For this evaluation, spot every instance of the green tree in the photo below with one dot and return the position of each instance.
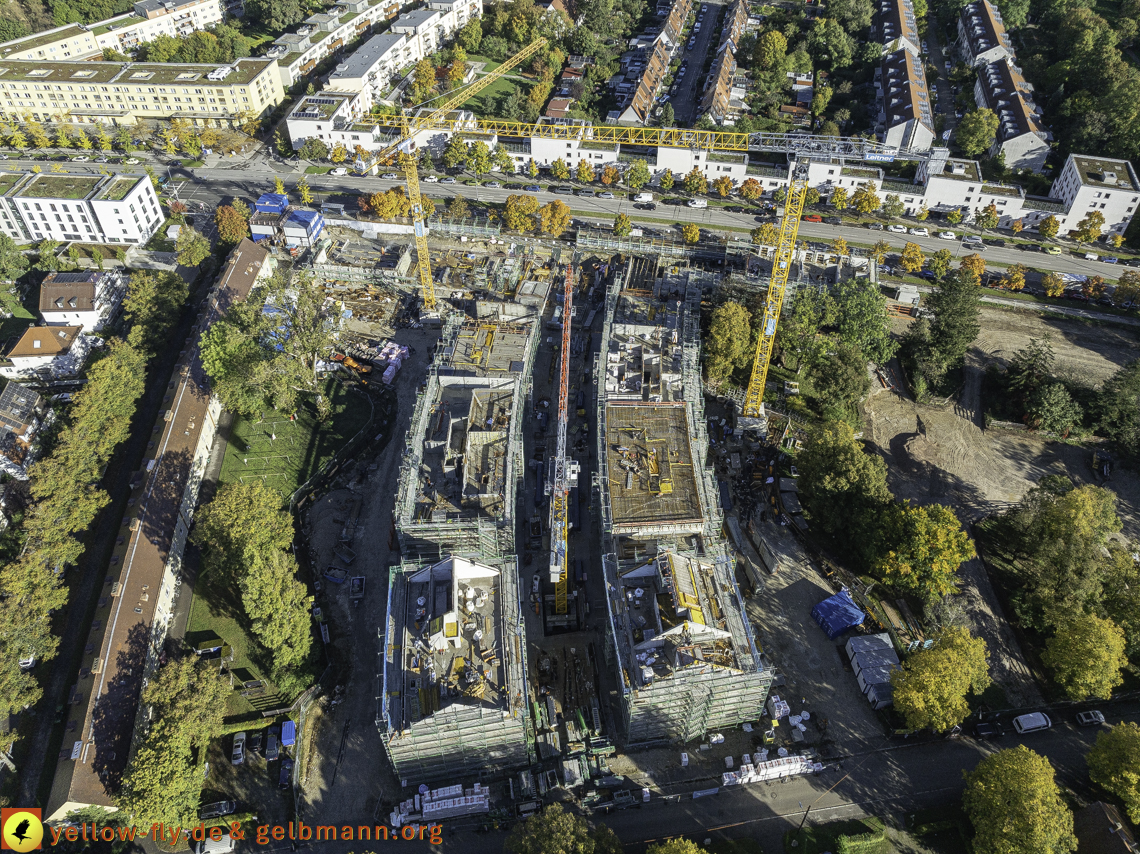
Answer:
(987, 217)
(893, 206)
(865, 200)
(1015, 806)
(939, 263)
(912, 258)
(696, 182)
(771, 48)
(811, 196)
(559, 169)
(863, 320)
(532, 168)
(243, 521)
(880, 251)
(240, 368)
(192, 247)
(954, 217)
(839, 199)
(423, 81)
(931, 688)
(478, 159)
(1049, 227)
(1053, 409)
(928, 546)
(622, 225)
(941, 346)
(728, 343)
(840, 380)
(502, 159)
(853, 14)
(765, 234)
(668, 116)
(455, 153)
(153, 305)
(675, 846)
(556, 831)
(638, 175)
(457, 208)
(278, 607)
(1118, 407)
(976, 131)
(1089, 228)
(304, 192)
(471, 36)
(314, 149)
(13, 263)
(1114, 764)
(798, 336)
(232, 225)
(667, 180)
(554, 218)
(584, 172)
(1086, 656)
(1030, 368)
(16, 137)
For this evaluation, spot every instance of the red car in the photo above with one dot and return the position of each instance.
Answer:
(813, 218)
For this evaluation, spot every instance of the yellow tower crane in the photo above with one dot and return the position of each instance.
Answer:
(403, 145)
(781, 267)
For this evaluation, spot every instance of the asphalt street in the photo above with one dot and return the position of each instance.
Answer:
(687, 98)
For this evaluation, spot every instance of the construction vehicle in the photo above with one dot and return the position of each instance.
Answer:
(404, 146)
(563, 471)
(781, 268)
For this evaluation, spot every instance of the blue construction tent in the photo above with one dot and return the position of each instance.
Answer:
(288, 733)
(837, 614)
(274, 203)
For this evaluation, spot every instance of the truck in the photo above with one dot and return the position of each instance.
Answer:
(643, 197)
(356, 589)
(344, 553)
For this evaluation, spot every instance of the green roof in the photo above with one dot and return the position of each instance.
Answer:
(118, 190)
(8, 181)
(61, 186)
(32, 70)
(49, 37)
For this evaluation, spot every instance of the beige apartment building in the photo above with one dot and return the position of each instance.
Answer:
(121, 93)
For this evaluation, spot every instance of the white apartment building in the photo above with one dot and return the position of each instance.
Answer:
(895, 26)
(1021, 135)
(905, 117)
(1097, 183)
(124, 33)
(982, 37)
(87, 298)
(79, 208)
(425, 29)
(373, 67)
(121, 93)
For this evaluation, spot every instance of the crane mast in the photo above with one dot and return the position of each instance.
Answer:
(781, 267)
(563, 470)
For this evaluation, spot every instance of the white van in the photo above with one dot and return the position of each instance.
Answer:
(698, 203)
(643, 197)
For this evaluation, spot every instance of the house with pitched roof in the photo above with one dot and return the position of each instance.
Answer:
(88, 298)
(1021, 134)
(982, 37)
(905, 116)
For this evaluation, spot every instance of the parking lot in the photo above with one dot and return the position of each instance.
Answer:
(254, 784)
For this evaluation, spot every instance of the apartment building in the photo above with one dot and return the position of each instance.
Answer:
(1103, 184)
(148, 20)
(1021, 135)
(896, 26)
(645, 68)
(87, 298)
(905, 116)
(717, 98)
(47, 353)
(88, 208)
(374, 67)
(981, 34)
(735, 24)
(121, 93)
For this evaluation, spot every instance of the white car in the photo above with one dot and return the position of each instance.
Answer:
(947, 235)
(390, 176)
(429, 179)
(1033, 722)
(340, 170)
(494, 184)
(132, 161)
(82, 158)
(920, 232)
(897, 229)
(238, 755)
(605, 195)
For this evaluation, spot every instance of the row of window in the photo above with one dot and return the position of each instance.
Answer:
(162, 90)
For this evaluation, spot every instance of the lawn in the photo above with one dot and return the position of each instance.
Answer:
(318, 170)
(488, 63)
(160, 242)
(118, 190)
(481, 103)
(14, 326)
(284, 453)
(819, 839)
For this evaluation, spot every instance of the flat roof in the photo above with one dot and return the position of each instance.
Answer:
(491, 348)
(1093, 169)
(39, 39)
(367, 55)
(149, 73)
(650, 459)
(47, 186)
(118, 189)
(416, 18)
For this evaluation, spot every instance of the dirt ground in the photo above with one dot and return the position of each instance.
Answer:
(943, 454)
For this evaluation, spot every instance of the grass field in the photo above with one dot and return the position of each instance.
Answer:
(21, 319)
(285, 453)
(483, 102)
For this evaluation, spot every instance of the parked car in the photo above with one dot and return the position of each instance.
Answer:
(989, 729)
(920, 232)
(447, 180)
(997, 241)
(429, 179)
(897, 229)
(342, 170)
(606, 195)
(132, 161)
(237, 755)
(273, 744)
(833, 220)
(1090, 719)
(563, 191)
(255, 741)
(1032, 722)
(494, 184)
(82, 158)
(947, 235)
(217, 809)
(813, 218)
(390, 176)
(875, 226)
(1052, 250)
(647, 206)
(533, 188)
(1110, 260)
(285, 778)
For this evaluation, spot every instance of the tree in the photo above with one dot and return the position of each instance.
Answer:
(923, 214)
(976, 131)
(954, 217)
(152, 306)
(798, 337)
(455, 153)
(16, 137)
(853, 14)
(1017, 226)
(304, 192)
(667, 180)
(723, 186)
(728, 342)
(278, 185)
(554, 218)
(556, 830)
(811, 196)
(1114, 764)
(939, 346)
(519, 212)
(691, 232)
(973, 266)
(865, 200)
(1053, 284)
(244, 520)
(821, 99)
(912, 258)
(939, 263)
(232, 225)
(771, 48)
(1093, 287)
(988, 217)
(1014, 278)
(839, 246)
(1049, 227)
(478, 159)
(839, 380)
(696, 182)
(471, 36)
(314, 149)
(1053, 409)
(40, 138)
(423, 81)
(765, 234)
(863, 320)
(880, 251)
(1127, 288)
(839, 198)
(668, 116)
(457, 208)
(893, 206)
(83, 141)
(13, 264)
(1030, 368)
(1015, 806)
(751, 189)
(931, 688)
(584, 172)
(559, 169)
(675, 846)
(611, 175)
(278, 606)
(63, 137)
(500, 157)
(622, 225)
(638, 175)
(532, 168)
(928, 547)
(192, 247)
(1089, 228)
(1086, 656)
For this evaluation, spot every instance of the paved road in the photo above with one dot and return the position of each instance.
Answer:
(687, 100)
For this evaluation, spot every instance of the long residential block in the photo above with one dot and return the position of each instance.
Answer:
(89, 208)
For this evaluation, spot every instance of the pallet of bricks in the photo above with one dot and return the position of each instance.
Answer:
(447, 802)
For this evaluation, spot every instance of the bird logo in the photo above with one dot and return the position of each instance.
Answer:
(21, 830)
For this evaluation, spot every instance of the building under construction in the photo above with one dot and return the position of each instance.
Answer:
(678, 633)
(454, 694)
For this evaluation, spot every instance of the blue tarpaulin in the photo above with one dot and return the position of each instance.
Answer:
(837, 614)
